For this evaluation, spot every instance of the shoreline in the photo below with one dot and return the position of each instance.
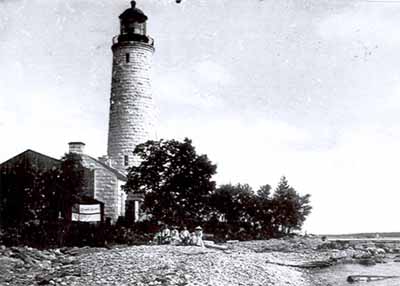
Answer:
(274, 262)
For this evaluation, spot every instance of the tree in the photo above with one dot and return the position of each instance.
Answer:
(71, 182)
(236, 207)
(28, 194)
(33, 197)
(29, 202)
(264, 211)
(176, 181)
(289, 208)
(234, 202)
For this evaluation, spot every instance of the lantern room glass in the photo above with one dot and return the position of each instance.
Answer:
(133, 28)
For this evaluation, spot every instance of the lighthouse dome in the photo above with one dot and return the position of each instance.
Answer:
(133, 14)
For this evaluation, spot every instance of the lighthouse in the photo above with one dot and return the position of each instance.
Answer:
(131, 103)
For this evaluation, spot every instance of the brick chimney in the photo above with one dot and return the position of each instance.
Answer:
(76, 147)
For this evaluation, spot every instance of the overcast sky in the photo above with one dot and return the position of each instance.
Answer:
(308, 89)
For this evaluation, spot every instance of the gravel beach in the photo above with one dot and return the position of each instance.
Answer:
(271, 262)
(241, 264)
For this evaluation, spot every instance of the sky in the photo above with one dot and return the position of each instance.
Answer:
(308, 89)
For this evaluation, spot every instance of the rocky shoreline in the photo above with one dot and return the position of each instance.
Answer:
(270, 262)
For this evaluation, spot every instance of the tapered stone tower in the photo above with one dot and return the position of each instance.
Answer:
(131, 103)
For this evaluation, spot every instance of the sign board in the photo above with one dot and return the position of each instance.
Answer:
(86, 213)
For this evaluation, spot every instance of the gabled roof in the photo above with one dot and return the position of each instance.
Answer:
(87, 160)
(42, 161)
(29, 156)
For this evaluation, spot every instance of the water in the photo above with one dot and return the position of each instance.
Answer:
(337, 275)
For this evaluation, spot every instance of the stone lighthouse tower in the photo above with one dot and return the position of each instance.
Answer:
(131, 104)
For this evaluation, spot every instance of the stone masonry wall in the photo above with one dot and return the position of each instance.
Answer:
(106, 190)
(131, 104)
(105, 186)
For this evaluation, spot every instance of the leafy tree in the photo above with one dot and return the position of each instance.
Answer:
(289, 208)
(264, 192)
(71, 183)
(28, 205)
(40, 196)
(227, 201)
(32, 198)
(237, 206)
(176, 181)
(28, 194)
(264, 215)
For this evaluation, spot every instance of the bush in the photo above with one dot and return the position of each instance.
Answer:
(38, 236)
(77, 234)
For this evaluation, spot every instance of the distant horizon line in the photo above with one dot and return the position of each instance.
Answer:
(363, 234)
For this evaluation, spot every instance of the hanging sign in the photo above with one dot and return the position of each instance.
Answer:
(86, 213)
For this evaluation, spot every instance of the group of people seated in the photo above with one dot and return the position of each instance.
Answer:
(176, 237)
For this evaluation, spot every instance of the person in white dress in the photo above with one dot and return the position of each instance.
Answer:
(175, 239)
(185, 236)
(197, 237)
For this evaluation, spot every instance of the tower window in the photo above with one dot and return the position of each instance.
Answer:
(126, 160)
(127, 57)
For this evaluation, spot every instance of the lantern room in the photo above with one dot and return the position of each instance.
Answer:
(133, 25)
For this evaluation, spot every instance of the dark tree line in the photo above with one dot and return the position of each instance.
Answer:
(179, 190)
(35, 203)
(261, 214)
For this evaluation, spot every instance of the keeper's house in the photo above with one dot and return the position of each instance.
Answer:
(103, 183)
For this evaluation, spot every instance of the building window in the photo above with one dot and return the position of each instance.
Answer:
(127, 57)
(126, 160)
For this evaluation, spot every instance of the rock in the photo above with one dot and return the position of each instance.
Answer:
(43, 280)
(368, 278)
(45, 264)
(380, 260)
(367, 261)
(359, 247)
(232, 241)
(362, 255)
(329, 245)
(66, 260)
(348, 260)
(24, 257)
(395, 250)
(9, 263)
(340, 254)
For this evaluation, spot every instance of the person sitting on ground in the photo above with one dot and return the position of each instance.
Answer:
(185, 236)
(197, 237)
(157, 238)
(165, 235)
(175, 239)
